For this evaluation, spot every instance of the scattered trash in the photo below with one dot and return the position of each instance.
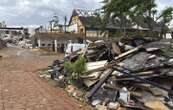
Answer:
(96, 102)
(113, 105)
(118, 75)
(70, 89)
(45, 74)
(101, 107)
(124, 95)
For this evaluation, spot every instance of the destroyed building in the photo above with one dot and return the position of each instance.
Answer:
(89, 22)
(87, 25)
(56, 42)
(132, 74)
(13, 34)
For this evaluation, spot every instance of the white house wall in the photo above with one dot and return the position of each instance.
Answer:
(53, 43)
(73, 28)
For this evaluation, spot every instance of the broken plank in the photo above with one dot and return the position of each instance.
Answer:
(156, 105)
(99, 84)
(100, 68)
(130, 74)
(156, 91)
(89, 82)
(95, 65)
(132, 78)
(128, 52)
(110, 65)
(116, 49)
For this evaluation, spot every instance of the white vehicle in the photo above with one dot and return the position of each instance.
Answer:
(72, 47)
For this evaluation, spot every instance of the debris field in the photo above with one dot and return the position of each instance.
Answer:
(132, 74)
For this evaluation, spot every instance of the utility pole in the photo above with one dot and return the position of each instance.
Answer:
(65, 24)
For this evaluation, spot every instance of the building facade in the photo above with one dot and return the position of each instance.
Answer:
(56, 42)
(85, 22)
(12, 32)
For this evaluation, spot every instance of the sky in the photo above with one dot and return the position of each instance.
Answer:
(39, 12)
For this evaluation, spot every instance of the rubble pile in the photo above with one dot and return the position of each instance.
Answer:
(25, 43)
(12, 39)
(17, 41)
(134, 74)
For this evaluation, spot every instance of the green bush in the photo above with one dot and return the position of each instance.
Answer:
(77, 68)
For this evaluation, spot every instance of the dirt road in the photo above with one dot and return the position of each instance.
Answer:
(22, 89)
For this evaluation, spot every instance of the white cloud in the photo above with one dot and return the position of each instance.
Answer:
(37, 12)
(29, 12)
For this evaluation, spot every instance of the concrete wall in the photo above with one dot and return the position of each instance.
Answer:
(54, 44)
(12, 32)
(45, 43)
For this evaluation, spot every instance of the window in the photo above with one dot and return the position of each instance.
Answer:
(81, 30)
(7, 32)
(49, 45)
(43, 45)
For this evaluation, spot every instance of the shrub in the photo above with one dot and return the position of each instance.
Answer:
(77, 68)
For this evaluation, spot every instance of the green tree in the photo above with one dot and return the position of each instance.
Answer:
(165, 18)
(118, 11)
(124, 11)
(54, 22)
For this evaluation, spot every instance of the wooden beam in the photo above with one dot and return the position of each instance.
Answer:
(99, 84)
(128, 52)
(110, 65)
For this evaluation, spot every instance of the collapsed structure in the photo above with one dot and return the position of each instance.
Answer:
(133, 74)
(15, 36)
(88, 24)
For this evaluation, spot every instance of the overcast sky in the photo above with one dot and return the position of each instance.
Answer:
(38, 12)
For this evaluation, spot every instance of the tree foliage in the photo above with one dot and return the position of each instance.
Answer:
(124, 10)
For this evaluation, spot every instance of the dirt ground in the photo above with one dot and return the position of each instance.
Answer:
(22, 89)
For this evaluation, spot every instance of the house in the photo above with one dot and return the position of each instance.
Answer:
(86, 22)
(57, 40)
